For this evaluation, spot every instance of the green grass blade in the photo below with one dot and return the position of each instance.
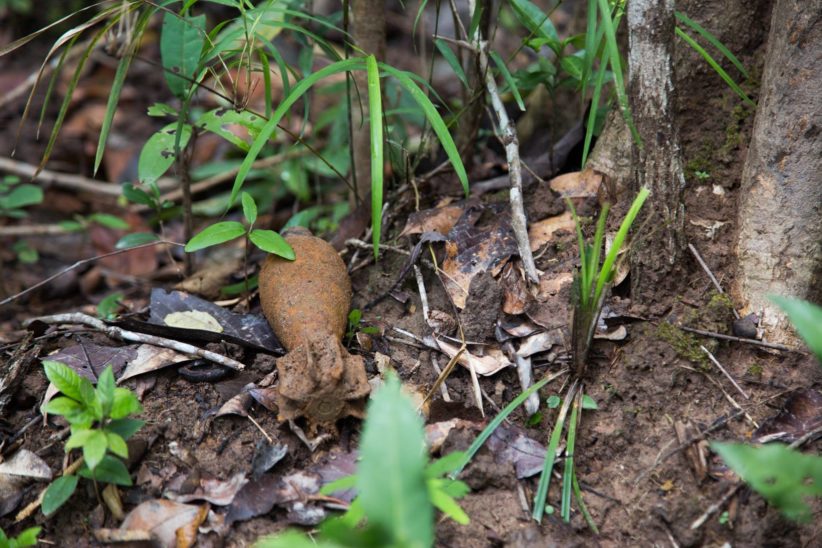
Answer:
(590, 47)
(612, 51)
(55, 76)
(270, 126)
(417, 17)
(598, 236)
(436, 121)
(568, 470)
(452, 61)
(61, 115)
(592, 114)
(583, 508)
(605, 273)
(551, 456)
(377, 165)
(713, 41)
(8, 48)
(117, 86)
(266, 68)
(509, 79)
(488, 430)
(585, 284)
(714, 65)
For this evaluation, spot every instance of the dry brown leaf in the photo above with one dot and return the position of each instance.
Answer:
(579, 184)
(515, 291)
(441, 219)
(542, 232)
(162, 519)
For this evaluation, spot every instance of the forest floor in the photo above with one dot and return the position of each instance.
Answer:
(642, 485)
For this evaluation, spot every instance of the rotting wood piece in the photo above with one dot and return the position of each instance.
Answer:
(306, 301)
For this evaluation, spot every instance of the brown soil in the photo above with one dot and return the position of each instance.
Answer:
(638, 492)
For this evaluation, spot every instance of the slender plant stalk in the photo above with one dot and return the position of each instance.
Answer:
(551, 455)
(488, 430)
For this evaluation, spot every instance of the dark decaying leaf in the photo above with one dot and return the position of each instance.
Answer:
(89, 359)
(248, 330)
(511, 444)
(508, 444)
(471, 250)
(514, 289)
(802, 413)
(258, 497)
(266, 456)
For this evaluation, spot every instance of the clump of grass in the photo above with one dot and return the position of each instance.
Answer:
(592, 280)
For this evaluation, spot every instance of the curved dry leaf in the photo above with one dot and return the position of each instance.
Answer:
(441, 219)
(25, 464)
(150, 358)
(238, 405)
(578, 184)
(540, 342)
(542, 232)
(163, 518)
(216, 491)
(493, 361)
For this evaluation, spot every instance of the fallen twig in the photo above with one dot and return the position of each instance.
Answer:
(508, 136)
(109, 191)
(739, 339)
(710, 274)
(78, 264)
(724, 372)
(122, 334)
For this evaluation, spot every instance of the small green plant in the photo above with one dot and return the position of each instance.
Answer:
(26, 538)
(225, 231)
(783, 476)
(354, 327)
(591, 280)
(15, 196)
(397, 487)
(108, 307)
(100, 426)
(724, 518)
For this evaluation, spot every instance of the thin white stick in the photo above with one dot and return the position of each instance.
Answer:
(118, 333)
(724, 372)
(710, 274)
(443, 389)
(423, 294)
(508, 135)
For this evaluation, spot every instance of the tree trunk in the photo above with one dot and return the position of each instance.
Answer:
(657, 162)
(779, 243)
(368, 31)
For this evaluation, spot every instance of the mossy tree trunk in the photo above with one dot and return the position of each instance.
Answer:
(657, 161)
(779, 243)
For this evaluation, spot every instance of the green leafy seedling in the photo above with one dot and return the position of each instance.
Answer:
(26, 538)
(225, 231)
(100, 425)
(108, 307)
(15, 196)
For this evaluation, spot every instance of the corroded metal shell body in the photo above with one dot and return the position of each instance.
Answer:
(307, 297)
